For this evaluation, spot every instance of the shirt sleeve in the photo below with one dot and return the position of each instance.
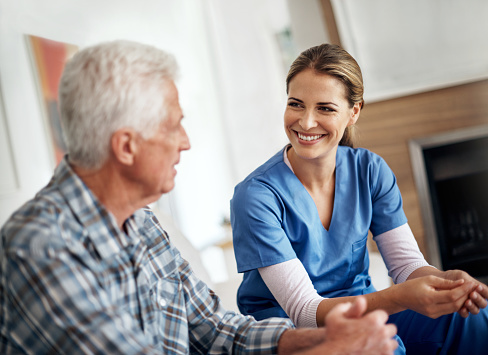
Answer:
(214, 330)
(291, 286)
(400, 252)
(257, 227)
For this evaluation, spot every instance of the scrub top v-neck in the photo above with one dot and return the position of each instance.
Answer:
(274, 219)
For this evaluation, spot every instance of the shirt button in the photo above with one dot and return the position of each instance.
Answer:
(162, 302)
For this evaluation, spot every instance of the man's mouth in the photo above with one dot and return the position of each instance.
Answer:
(310, 137)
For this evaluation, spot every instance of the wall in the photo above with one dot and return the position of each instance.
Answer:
(250, 69)
(386, 127)
(406, 47)
(308, 27)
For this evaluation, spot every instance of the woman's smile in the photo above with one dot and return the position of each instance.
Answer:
(309, 138)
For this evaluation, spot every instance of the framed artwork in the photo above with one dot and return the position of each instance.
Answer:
(48, 59)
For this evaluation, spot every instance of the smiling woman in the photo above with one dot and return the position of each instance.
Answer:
(301, 222)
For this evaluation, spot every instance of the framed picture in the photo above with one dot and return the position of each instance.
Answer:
(48, 59)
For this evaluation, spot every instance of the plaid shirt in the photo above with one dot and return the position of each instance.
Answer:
(73, 282)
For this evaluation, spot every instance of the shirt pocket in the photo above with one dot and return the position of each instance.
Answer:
(165, 292)
(168, 301)
(357, 266)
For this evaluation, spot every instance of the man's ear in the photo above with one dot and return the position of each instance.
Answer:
(356, 110)
(124, 145)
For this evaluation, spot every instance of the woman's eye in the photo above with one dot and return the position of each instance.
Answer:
(293, 104)
(325, 109)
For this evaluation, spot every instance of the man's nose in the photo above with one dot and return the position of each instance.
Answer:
(185, 143)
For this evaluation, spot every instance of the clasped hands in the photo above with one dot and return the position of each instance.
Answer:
(443, 292)
(349, 329)
(360, 332)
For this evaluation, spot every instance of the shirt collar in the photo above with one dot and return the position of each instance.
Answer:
(99, 224)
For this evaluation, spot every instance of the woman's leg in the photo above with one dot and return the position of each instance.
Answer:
(450, 334)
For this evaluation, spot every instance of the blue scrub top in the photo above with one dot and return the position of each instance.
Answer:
(274, 219)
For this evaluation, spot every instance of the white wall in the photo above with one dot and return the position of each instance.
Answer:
(307, 23)
(251, 78)
(406, 47)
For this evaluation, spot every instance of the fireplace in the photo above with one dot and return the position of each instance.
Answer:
(451, 174)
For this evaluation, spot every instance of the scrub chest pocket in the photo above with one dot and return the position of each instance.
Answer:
(358, 260)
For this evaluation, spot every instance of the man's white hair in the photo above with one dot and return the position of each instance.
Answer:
(107, 87)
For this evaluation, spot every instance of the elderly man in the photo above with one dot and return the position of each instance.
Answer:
(87, 268)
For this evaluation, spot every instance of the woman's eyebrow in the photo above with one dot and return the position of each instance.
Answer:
(318, 103)
(327, 103)
(293, 98)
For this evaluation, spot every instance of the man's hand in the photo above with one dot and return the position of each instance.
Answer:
(347, 331)
(353, 332)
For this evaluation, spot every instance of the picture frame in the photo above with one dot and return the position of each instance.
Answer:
(48, 58)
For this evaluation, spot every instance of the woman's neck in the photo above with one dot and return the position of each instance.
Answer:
(314, 174)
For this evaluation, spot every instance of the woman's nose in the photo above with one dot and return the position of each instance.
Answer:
(307, 121)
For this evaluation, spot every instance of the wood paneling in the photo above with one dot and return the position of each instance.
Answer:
(386, 127)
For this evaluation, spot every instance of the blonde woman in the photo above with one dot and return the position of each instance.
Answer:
(301, 220)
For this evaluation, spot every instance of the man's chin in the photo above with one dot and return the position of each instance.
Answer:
(167, 189)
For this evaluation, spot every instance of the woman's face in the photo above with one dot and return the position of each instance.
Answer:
(317, 113)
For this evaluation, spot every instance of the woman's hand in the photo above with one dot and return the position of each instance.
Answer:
(434, 296)
(477, 298)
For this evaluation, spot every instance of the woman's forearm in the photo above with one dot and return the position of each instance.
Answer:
(387, 300)
(292, 288)
(425, 271)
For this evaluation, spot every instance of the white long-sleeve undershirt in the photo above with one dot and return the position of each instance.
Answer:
(292, 288)
(400, 252)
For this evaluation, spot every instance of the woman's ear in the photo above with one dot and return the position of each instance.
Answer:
(124, 145)
(356, 110)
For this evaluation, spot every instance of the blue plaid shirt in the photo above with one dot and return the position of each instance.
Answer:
(72, 282)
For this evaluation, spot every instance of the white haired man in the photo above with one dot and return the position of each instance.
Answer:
(87, 268)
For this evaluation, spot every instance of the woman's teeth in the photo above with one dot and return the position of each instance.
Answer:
(309, 138)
